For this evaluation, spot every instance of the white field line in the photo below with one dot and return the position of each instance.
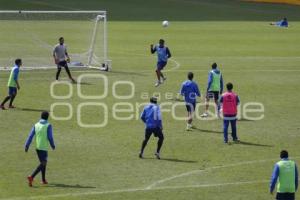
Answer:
(135, 190)
(152, 186)
(177, 65)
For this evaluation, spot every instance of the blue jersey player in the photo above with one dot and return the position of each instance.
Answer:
(151, 116)
(190, 91)
(282, 23)
(163, 54)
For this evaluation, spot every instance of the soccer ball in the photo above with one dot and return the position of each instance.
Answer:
(165, 23)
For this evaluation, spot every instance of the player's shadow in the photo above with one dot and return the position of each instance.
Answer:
(174, 160)
(130, 73)
(253, 144)
(83, 83)
(61, 185)
(31, 109)
(207, 131)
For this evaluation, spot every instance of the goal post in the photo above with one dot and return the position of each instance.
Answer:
(32, 35)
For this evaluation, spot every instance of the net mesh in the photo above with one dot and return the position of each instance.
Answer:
(32, 37)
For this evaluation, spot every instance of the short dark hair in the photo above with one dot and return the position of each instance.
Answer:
(45, 115)
(153, 100)
(161, 41)
(61, 38)
(284, 154)
(214, 66)
(18, 61)
(190, 75)
(229, 86)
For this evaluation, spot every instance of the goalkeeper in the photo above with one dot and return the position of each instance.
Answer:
(61, 58)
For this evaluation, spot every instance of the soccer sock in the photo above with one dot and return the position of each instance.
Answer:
(143, 146)
(159, 145)
(57, 73)
(68, 72)
(44, 172)
(12, 100)
(36, 171)
(5, 100)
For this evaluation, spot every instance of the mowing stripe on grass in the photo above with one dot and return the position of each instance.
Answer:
(153, 188)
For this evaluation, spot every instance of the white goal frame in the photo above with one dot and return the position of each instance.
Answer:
(101, 14)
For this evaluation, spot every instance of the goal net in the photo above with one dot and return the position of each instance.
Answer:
(32, 35)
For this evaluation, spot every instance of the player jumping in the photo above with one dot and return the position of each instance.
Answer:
(61, 58)
(13, 85)
(163, 54)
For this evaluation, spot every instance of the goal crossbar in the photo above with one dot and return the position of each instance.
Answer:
(91, 51)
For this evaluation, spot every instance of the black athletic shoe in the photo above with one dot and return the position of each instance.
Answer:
(141, 156)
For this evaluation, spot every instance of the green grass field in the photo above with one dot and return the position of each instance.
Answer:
(102, 163)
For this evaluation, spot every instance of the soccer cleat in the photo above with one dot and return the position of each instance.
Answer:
(2, 107)
(141, 155)
(189, 127)
(45, 182)
(73, 80)
(30, 180)
(12, 107)
(157, 155)
(157, 83)
(236, 141)
(204, 115)
(163, 79)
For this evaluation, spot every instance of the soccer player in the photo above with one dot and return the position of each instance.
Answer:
(61, 58)
(282, 23)
(151, 116)
(190, 91)
(13, 85)
(214, 88)
(287, 173)
(229, 102)
(163, 54)
(42, 131)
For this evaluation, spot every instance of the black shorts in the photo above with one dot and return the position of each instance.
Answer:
(285, 196)
(42, 155)
(213, 95)
(190, 107)
(157, 132)
(62, 64)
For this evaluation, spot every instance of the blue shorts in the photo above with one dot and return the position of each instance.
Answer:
(161, 65)
(42, 155)
(190, 107)
(12, 91)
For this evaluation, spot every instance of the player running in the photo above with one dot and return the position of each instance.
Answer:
(13, 85)
(61, 58)
(214, 88)
(229, 101)
(151, 116)
(43, 136)
(163, 54)
(190, 91)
